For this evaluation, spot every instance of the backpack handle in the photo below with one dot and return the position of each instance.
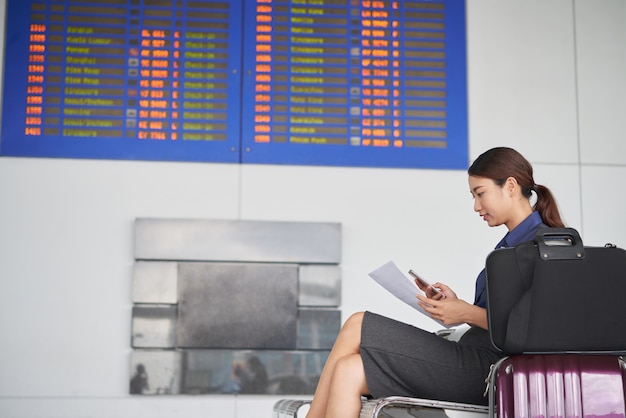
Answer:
(559, 244)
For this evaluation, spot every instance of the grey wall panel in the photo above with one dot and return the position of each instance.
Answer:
(320, 285)
(193, 372)
(155, 282)
(318, 328)
(252, 372)
(225, 240)
(237, 305)
(245, 307)
(155, 372)
(154, 326)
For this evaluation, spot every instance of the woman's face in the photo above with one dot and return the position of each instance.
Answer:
(492, 202)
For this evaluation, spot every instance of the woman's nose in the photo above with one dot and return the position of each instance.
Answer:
(476, 205)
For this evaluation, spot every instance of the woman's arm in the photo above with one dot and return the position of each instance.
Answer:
(453, 311)
(477, 316)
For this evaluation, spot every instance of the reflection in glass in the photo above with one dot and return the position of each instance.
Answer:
(154, 326)
(155, 372)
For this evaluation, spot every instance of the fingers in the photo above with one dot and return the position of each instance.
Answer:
(445, 291)
(420, 285)
(425, 302)
(430, 292)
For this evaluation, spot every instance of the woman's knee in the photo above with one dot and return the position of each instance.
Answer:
(350, 371)
(351, 331)
(350, 365)
(354, 322)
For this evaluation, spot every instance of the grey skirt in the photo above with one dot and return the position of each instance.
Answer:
(403, 360)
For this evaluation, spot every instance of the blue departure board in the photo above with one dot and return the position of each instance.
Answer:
(304, 82)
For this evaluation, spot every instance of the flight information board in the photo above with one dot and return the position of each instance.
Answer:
(316, 82)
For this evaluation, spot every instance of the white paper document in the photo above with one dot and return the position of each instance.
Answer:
(391, 278)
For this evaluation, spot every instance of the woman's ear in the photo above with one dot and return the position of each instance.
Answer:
(511, 185)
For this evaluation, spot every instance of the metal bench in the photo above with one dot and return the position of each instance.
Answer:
(392, 407)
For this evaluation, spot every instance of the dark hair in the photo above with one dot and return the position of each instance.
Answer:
(501, 163)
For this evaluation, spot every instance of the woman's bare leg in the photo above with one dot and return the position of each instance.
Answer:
(346, 388)
(347, 343)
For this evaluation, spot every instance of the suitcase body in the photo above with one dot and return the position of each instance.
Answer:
(558, 385)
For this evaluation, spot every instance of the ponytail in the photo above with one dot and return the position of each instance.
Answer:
(547, 207)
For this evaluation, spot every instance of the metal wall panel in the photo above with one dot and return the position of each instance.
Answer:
(154, 326)
(193, 372)
(252, 372)
(237, 305)
(249, 241)
(320, 285)
(233, 306)
(318, 328)
(155, 282)
(155, 372)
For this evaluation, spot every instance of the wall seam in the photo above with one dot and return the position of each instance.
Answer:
(577, 112)
(240, 187)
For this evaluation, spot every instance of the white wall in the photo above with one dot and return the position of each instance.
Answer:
(544, 77)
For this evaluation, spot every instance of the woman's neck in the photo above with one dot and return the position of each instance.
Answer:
(519, 216)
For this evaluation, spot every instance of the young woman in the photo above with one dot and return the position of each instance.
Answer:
(378, 356)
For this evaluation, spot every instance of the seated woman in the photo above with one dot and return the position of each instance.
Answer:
(379, 357)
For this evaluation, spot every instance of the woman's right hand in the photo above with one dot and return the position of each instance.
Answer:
(444, 291)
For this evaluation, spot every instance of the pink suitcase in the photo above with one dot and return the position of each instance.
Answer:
(558, 385)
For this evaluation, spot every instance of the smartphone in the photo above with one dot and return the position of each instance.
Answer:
(423, 281)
